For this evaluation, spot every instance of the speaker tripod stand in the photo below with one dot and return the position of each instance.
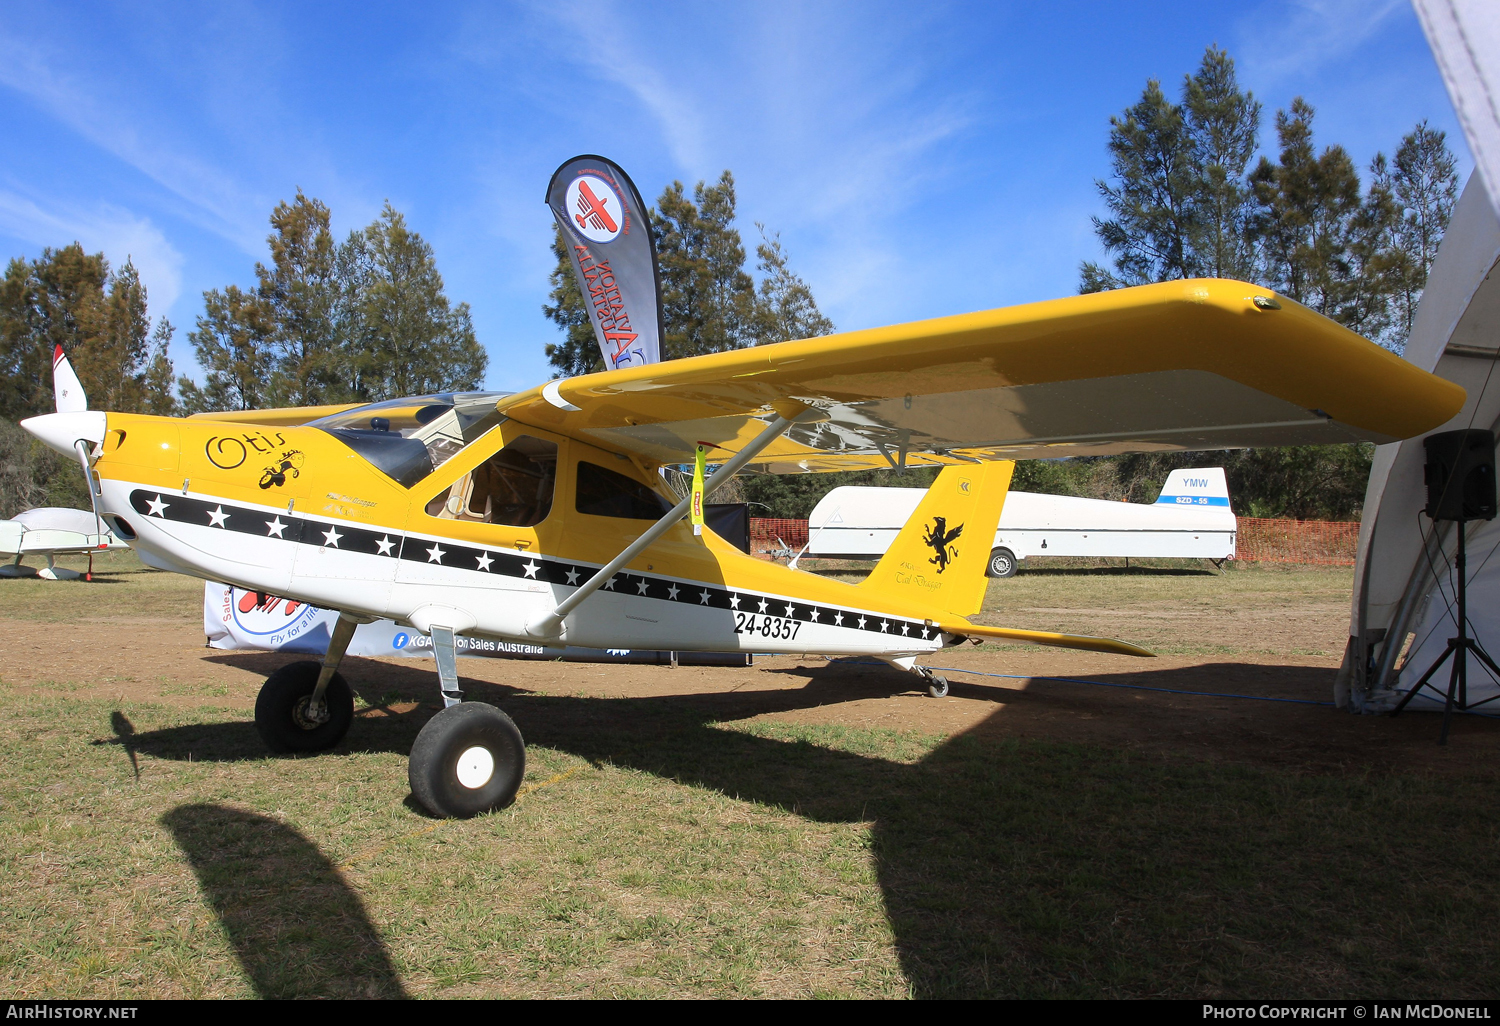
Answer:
(1458, 650)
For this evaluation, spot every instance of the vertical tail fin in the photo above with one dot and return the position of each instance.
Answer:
(1204, 486)
(939, 557)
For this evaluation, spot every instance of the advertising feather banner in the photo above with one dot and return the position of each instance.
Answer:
(608, 234)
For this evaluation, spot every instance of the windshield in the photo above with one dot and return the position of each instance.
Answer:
(410, 438)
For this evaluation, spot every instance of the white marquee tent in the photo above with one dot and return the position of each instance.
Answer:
(1403, 608)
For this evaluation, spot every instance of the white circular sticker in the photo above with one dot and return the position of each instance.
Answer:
(598, 215)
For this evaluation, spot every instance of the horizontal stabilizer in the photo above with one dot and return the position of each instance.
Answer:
(1078, 641)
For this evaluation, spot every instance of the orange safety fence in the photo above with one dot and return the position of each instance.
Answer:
(770, 535)
(1329, 543)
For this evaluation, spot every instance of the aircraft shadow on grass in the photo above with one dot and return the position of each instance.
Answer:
(975, 847)
(296, 927)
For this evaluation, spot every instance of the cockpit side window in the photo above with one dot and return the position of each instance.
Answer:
(604, 493)
(513, 488)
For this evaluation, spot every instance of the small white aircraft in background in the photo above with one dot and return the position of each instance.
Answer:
(53, 531)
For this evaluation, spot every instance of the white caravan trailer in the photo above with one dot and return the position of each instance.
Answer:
(1190, 520)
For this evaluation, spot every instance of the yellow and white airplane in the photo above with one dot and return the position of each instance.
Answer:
(542, 515)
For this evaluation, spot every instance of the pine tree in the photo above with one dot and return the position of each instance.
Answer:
(1302, 224)
(234, 342)
(159, 399)
(1152, 204)
(120, 348)
(1322, 242)
(578, 353)
(1424, 186)
(1179, 203)
(1223, 126)
(362, 321)
(56, 299)
(403, 335)
(708, 301)
(71, 298)
(786, 309)
(300, 291)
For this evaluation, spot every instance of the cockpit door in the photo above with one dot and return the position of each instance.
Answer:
(494, 501)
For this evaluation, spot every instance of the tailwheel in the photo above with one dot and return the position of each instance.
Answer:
(468, 759)
(937, 686)
(287, 718)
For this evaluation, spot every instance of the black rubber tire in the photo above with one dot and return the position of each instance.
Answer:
(277, 706)
(433, 766)
(1002, 563)
(937, 687)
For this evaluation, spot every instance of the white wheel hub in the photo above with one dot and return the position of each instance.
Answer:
(475, 767)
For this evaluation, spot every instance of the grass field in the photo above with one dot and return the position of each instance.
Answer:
(693, 845)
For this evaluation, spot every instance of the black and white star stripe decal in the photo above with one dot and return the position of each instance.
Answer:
(347, 537)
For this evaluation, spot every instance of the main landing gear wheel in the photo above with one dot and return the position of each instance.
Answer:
(1002, 563)
(468, 759)
(937, 686)
(283, 716)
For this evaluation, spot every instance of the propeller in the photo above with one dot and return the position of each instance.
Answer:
(71, 398)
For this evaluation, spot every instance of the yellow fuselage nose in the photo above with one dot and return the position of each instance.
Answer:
(269, 466)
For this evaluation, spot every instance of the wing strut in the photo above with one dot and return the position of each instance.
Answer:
(549, 625)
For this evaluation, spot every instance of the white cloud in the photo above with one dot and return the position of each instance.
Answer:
(1276, 44)
(215, 200)
(832, 121)
(118, 233)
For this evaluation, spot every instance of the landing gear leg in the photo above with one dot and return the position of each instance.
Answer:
(307, 706)
(447, 666)
(470, 757)
(343, 633)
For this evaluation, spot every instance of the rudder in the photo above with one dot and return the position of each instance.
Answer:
(939, 556)
(1199, 486)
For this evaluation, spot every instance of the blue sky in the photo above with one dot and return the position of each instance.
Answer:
(918, 159)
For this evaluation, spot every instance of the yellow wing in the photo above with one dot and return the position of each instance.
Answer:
(1184, 365)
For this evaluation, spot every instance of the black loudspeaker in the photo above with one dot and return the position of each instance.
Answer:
(1460, 475)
